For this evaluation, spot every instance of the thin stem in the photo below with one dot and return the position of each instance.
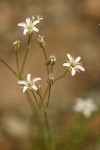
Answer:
(52, 69)
(46, 59)
(45, 92)
(30, 101)
(48, 96)
(25, 57)
(46, 119)
(17, 63)
(60, 77)
(36, 99)
(8, 67)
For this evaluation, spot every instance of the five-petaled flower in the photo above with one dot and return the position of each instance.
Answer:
(86, 107)
(31, 25)
(29, 83)
(73, 64)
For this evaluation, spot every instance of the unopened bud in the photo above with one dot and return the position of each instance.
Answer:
(51, 60)
(39, 91)
(41, 41)
(51, 79)
(16, 45)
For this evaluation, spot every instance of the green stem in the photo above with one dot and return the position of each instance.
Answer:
(36, 99)
(8, 67)
(52, 69)
(45, 92)
(49, 96)
(46, 120)
(30, 101)
(17, 63)
(25, 57)
(46, 59)
(60, 77)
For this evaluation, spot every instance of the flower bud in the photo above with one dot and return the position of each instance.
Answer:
(51, 60)
(39, 91)
(51, 79)
(16, 45)
(41, 41)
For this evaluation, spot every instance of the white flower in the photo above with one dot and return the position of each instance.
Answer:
(30, 26)
(86, 107)
(29, 83)
(73, 64)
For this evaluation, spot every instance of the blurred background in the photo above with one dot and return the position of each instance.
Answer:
(69, 26)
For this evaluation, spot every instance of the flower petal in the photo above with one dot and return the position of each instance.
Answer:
(87, 113)
(36, 79)
(73, 71)
(24, 89)
(35, 29)
(22, 82)
(25, 31)
(34, 87)
(66, 64)
(22, 24)
(77, 59)
(70, 57)
(35, 22)
(80, 67)
(29, 78)
(28, 20)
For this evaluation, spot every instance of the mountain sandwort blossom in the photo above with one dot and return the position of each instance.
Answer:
(86, 107)
(29, 83)
(73, 64)
(30, 26)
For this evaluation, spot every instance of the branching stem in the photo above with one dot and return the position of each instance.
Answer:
(27, 50)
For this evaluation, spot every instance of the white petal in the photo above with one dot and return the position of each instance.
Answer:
(66, 64)
(25, 31)
(77, 59)
(28, 20)
(22, 24)
(22, 82)
(80, 67)
(87, 113)
(34, 87)
(73, 71)
(70, 57)
(24, 89)
(35, 29)
(33, 17)
(36, 79)
(29, 78)
(35, 22)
